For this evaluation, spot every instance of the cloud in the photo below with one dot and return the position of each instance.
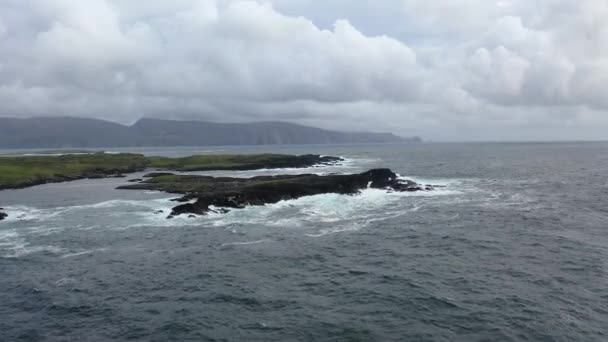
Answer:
(412, 67)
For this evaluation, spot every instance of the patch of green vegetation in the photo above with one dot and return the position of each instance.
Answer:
(25, 171)
(221, 162)
(19, 172)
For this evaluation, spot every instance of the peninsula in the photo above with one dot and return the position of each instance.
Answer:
(22, 172)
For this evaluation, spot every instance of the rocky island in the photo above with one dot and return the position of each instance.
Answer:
(21, 172)
(204, 193)
(201, 194)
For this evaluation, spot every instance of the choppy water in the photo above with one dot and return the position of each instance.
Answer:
(514, 248)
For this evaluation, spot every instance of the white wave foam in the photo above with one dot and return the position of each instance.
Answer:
(360, 223)
(118, 203)
(19, 250)
(9, 238)
(151, 212)
(355, 162)
(71, 255)
(432, 181)
(336, 230)
(346, 166)
(42, 230)
(25, 213)
(244, 243)
(327, 213)
(10, 243)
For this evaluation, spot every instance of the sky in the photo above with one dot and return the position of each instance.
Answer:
(458, 70)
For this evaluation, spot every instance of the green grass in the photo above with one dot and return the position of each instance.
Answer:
(216, 162)
(20, 172)
(17, 172)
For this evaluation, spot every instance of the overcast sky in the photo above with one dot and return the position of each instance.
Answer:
(444, 70)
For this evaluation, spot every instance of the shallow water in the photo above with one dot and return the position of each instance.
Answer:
(514, 248)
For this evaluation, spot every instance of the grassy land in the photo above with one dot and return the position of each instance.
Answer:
(20, 172)
(229, 162)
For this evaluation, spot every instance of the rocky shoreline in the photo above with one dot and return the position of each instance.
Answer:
(203, 194)
(63, 179)
(23, 172)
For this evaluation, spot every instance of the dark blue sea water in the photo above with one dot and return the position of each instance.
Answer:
(514, 248)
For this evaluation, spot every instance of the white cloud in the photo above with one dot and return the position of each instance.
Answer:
(450, 67)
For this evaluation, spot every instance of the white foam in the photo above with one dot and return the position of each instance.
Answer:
(431, 181)
(143, 212)
(244, 243)
(336, 230)
(346, 166)
(42, 230)
(71, 255)
(10, 239)
(327, 213)
(354, 162)
(19, 250)
(360, 223)
(25, 213)
(118, 203)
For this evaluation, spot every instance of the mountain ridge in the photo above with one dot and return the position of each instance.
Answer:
(73, 132)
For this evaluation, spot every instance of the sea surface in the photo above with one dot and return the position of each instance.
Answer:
(513, 248)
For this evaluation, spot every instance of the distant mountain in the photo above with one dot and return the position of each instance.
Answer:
(64, 132)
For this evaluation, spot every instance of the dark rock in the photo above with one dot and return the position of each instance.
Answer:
(184, 199)
(3, 216)
(236, 193)
(136, 180)
(191, 216)
(158, 174)
(160, 212)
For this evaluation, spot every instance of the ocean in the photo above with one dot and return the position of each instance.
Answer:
(514, 247)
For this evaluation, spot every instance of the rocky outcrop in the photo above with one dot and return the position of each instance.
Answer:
(202, 192)
(65, 168)
(2, 215)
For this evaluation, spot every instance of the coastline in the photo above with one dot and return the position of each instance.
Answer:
(18, 172)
